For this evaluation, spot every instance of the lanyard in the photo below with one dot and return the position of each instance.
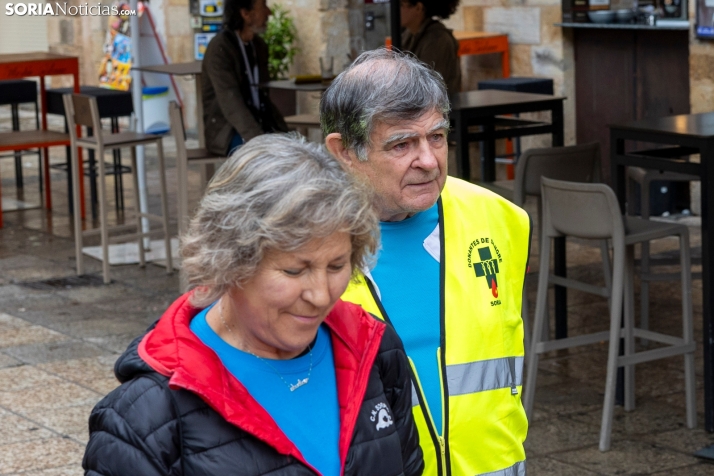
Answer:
(252, 75)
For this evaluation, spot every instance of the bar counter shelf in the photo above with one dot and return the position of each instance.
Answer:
(661, 25)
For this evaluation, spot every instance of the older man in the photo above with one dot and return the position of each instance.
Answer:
(449, 276)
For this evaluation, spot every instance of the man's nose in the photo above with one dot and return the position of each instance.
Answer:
(427, 157)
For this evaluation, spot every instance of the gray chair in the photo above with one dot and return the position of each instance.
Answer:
(184, 158)
(591, 211)
(82, 110)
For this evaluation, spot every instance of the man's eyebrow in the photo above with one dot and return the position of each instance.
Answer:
(443, 124)
(398, 137)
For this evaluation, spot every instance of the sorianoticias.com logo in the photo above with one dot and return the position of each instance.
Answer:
(56, 9)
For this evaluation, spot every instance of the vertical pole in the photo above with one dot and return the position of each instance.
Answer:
(463, 167)
(559, 254)
(140, 171)
(396, 23)
(617, 173)
(707, 200)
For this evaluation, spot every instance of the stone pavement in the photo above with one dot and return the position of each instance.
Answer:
(58, 343)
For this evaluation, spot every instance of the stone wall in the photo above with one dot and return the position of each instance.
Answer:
(172, 23)
(81, 36)
(701, 70)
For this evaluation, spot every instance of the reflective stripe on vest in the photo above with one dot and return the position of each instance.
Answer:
(476, 377)
(485, 375)
(518, 469)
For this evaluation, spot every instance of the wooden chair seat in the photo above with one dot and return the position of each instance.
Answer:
(119, 139)
(303, 120)
(23, 140)
(198, 155)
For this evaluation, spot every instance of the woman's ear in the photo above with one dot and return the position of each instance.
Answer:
(246, 15)
(337, 148)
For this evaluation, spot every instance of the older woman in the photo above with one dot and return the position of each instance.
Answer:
(261, 369)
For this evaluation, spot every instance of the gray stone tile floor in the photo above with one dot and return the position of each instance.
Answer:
(58, 347)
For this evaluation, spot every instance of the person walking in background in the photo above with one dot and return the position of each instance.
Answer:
(235, 107)
(430, 40)
(260, 369)
(450, 273)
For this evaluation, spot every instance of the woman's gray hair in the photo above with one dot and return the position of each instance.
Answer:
(277, 192)
(380, 86)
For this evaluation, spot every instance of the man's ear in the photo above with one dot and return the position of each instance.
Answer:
(334, 144)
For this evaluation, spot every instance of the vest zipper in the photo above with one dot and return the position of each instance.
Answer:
(444, 439)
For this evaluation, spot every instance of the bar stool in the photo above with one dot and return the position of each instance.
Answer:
(82, 110)
(14, 93)
(112, 104)
(591, 211)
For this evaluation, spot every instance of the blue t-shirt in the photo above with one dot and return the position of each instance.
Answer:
(408, 280)
(296, 412)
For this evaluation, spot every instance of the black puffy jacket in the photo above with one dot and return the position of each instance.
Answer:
(180, 412)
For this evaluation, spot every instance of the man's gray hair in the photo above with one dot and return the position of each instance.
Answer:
(277, 192)
(380, 86)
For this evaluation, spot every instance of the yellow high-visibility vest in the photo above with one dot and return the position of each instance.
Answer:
(484, 241)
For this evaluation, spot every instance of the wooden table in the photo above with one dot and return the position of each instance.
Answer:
(291, 85)
(192, 68)
(22, 65)
(689, 133)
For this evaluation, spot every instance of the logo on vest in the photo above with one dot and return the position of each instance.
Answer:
(487, 265)
(381, 415)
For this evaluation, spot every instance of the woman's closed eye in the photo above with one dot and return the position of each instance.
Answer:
(294, 271)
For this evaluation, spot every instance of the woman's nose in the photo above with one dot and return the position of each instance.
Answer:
(318, 293)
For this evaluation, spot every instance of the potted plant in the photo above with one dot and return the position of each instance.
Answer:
(280, 35)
